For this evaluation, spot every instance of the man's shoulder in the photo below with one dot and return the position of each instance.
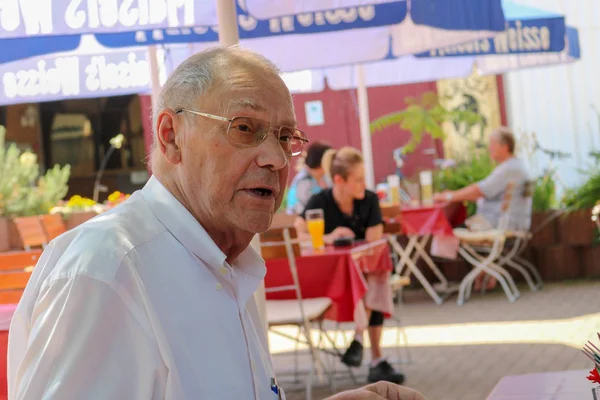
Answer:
(98, 247)
(323, 197)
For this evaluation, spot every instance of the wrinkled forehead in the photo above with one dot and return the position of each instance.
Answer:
(248, 93)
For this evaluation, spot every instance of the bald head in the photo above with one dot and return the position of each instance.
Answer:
(208, 71)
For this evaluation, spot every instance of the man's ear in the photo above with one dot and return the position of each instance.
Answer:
(168, 127)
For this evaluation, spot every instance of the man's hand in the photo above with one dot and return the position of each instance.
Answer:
(339, 232)
(379, 391)
(442, 197)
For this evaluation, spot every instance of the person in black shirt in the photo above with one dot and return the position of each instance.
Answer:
(352, 211)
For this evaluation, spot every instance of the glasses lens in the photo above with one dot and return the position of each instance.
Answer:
(291, 141)
(248, 131)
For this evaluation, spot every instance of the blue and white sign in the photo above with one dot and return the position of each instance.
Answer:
(529, 30)
(54, 78)
(20, 18)
(250, 27)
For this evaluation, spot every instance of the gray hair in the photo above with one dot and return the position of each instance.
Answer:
(506, 137)
(196, 75)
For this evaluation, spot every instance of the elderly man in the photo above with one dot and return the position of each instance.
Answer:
(491, 190)
(153, 300)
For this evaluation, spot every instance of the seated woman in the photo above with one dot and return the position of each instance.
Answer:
(352, 211)
(310, 180)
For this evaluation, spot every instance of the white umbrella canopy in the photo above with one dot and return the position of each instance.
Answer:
(310, 38)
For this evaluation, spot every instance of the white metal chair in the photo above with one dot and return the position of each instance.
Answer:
(517, 240)
(299, 312)
(493, 240)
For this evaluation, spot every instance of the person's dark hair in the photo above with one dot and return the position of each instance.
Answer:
(506, 137)
(314, 154)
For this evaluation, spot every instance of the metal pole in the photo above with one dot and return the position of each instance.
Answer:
(229, 34)
(154, 75)
(365, 131)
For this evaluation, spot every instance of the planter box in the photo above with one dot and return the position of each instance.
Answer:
(557, 263)
(545, 233)
(77, 218)
(577, 228)
(15, 239)
(591, 261)
(4, 234)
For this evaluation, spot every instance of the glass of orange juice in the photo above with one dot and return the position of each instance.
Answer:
(315, 223)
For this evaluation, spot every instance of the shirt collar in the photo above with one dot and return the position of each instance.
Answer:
(184, 227)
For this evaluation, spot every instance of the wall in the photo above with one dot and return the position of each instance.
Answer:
(557, 102)
(25, 135)
(341, 125)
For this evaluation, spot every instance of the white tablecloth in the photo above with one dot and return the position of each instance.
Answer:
(563, 385)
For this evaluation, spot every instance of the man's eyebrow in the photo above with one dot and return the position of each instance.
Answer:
(254, 106)
(245, 103)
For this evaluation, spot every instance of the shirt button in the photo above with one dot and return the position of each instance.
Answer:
(223, 271)
(219, 286)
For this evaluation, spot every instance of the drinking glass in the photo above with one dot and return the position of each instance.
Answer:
(315, 223)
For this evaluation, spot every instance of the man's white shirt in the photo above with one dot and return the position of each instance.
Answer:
(140, 303)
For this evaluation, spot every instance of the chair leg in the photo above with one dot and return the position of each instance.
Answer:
(523, 272)
(482, 266)
(508, 277)
(296, 346)
(533, 270)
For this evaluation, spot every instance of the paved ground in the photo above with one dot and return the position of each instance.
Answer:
(460, 353)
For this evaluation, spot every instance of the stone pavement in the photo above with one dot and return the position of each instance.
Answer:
(460, 353)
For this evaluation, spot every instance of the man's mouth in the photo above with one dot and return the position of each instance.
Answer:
(261, 191)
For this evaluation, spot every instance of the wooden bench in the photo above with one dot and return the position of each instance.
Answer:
(15, 270)
(16, 266)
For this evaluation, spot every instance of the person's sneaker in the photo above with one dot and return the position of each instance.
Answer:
(385, 372)
(354, 355)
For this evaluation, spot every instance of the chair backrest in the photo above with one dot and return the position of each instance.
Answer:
(15, 270)
(272, 243)
(505, 207)
(31, 232)
(529, 189)
(283, 220)
(273, 249)
(390, 211)
(53, 225)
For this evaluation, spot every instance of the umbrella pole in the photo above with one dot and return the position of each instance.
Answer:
(154, 75)
(365, 131)
(229, 34)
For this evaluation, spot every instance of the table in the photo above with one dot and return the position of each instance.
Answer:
(337, 273)
(563, 385)
(420, 224)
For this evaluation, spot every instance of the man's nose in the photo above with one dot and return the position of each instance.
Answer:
(271, 154)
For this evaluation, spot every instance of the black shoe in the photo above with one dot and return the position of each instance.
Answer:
(354, 355)
(385, 372)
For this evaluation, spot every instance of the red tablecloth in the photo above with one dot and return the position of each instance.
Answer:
(336, 273)
(436, 220)
(6, 312)
(3, 349)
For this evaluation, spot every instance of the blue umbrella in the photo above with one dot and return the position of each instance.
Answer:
(532, 36)
(438, 22)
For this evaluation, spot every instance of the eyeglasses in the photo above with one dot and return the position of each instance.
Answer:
(250, 132)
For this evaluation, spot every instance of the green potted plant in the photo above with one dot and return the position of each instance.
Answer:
(425, 116)
(23, 192)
